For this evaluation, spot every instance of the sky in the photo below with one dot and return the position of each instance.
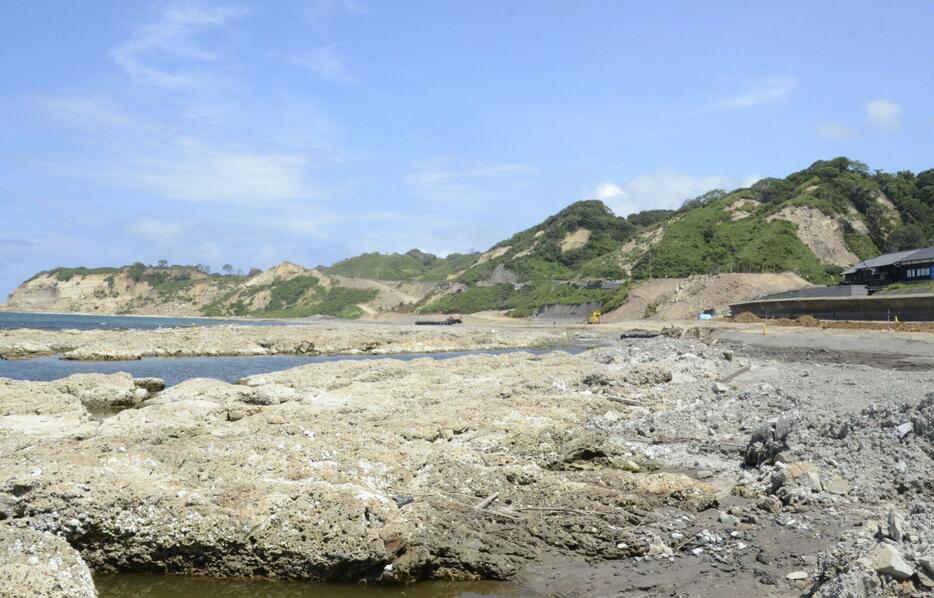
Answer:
(254, 132)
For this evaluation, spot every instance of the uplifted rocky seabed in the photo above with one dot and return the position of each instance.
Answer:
(660, 465)
(299, 339)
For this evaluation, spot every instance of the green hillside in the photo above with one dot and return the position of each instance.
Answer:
(414, 265)
(746, 230)
(296, 297)
(701, 238)
(536, 254)
(543, 265)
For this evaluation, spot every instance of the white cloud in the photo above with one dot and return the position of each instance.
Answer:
(326, 62)
(132, 152)
(158, 54)
(320, 11)
(770, 90)
(662, 190)
(835, 131)
(194, 170)
(884, 114)
(156, 230)
(441, 179)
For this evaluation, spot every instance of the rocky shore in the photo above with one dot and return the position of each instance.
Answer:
(655, 465)
(121, 345)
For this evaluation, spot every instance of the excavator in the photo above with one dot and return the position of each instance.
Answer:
(594, 317)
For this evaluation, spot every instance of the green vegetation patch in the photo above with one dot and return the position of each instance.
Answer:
(413, 265)
(336, 301)
(860, 244)
(297, 297)
(287, 293)
(526, 300)
(705, 241)
(908, 288)
(66, 274)
(535, 255)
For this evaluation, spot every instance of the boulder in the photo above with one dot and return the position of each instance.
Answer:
(151, 385)
(927, 563)
(768, 441)
(205, 389)
(648, 374)
(101, 391)
(837, 485)
(886, 560)
(896, 526)
(38, 564)
(168, 420)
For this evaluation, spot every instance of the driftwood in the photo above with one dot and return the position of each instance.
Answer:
(639, 517)
(734, 375)
(486, 502)
(622, 400)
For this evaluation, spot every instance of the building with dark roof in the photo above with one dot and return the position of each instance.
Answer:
(904, 266)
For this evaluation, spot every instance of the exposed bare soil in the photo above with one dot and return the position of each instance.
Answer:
(673, 299)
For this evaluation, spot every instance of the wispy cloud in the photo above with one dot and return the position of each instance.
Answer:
(444, 179)
(319, 11)
(662, 190)
(157, 230)
(769, 91)
(326, 62)
(132, 152)
(884, 114)
(161, 53)
(835, 131)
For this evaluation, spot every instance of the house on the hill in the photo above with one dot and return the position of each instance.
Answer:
(904, 266)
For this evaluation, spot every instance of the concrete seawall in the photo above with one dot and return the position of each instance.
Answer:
(908, 308)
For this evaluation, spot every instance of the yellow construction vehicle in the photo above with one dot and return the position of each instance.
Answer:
(594, 318)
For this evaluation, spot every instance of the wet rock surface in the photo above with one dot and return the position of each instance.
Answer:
(623, 470)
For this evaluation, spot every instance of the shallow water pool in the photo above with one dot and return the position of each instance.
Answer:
(230, 369)
(132, 585)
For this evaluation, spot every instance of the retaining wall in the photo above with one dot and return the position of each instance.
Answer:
(912, 308)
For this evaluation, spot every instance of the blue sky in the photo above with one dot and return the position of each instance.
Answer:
(255, 132)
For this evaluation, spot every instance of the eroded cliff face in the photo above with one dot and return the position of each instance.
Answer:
(112, 293)
(284, 290)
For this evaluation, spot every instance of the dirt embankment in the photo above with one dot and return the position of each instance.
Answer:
(655, 466)
(672, 299)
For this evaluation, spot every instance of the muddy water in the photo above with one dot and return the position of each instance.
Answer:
(171, 586)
